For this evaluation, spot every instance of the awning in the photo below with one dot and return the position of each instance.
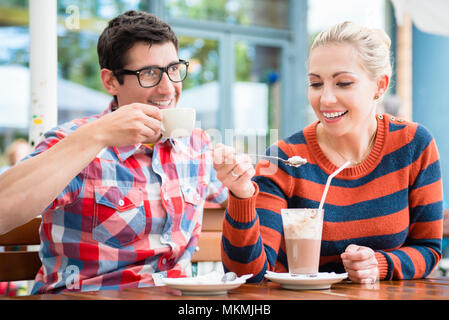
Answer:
(431, 16)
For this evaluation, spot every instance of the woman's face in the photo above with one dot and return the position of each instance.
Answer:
(341, 91)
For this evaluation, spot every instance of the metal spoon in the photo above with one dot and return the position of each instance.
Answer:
(312, 275)
(295, 161)
(228, 276)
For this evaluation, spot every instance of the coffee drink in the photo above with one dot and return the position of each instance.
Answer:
(302, 234)
(177, 122)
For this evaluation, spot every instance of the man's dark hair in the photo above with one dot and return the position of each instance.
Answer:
(124, 31)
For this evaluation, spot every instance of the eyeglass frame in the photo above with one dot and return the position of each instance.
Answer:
(162, 69)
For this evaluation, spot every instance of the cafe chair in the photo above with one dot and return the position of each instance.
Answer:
(16, 262)
(17, 265)
(209, 243)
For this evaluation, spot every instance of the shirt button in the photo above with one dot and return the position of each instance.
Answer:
(121, 202)
(164, 261)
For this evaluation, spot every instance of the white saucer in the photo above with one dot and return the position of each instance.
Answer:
(200, 287)
(322, 280)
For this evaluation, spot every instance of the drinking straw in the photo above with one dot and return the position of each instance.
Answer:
(329, 182)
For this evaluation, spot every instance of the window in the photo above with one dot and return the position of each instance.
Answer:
(200, 90)
(262, 13)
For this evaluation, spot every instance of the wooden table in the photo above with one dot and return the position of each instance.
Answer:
(424, 289)
(397, 299)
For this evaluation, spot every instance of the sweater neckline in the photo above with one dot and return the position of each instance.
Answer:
(370, 162)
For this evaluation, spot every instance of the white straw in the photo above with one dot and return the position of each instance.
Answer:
(329, 182)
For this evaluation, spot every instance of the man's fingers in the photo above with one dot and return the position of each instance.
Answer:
(153, 124)
(149, 110)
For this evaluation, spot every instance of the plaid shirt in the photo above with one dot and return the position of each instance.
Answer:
(131, 216)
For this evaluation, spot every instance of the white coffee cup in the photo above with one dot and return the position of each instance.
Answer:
(178, 122)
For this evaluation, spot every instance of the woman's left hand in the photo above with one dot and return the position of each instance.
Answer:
(360, 264)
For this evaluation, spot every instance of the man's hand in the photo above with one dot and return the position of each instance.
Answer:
(234, 171)
(128, 125)
(360, 264)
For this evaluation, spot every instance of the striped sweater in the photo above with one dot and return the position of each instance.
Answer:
(391, 202)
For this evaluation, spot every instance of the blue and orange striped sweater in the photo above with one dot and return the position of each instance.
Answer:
(391, 202)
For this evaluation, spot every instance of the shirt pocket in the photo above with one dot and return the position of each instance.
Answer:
(194, 195)
(119, 216)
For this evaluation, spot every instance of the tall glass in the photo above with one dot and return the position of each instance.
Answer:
(302, 233)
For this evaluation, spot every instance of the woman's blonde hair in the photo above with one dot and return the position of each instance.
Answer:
(372, 45)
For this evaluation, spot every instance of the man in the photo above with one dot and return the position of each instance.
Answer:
(17, 150)
(120, 205)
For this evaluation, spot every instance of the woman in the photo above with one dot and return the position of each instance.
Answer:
(383, 214)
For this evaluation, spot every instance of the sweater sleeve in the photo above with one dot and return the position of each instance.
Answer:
(422, 250)
(252, 228)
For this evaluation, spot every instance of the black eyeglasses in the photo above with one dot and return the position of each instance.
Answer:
(151, 76)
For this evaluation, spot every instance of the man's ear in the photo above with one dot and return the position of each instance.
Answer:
(110, 82)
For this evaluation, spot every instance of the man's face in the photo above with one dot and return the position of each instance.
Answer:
(167, 93)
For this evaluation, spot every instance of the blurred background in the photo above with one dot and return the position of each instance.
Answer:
(247, 62)
(247, 58)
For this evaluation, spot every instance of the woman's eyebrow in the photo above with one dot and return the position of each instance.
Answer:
(340, 72)
(333, 76)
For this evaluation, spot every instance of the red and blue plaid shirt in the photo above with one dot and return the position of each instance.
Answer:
(131, 216)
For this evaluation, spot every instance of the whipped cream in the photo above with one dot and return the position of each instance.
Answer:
(296, 161)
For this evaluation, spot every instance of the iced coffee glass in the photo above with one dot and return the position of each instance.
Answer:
(302, 234)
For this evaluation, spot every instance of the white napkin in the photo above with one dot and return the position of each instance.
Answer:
(213, 277)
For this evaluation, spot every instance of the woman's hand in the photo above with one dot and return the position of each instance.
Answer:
(234, 171)
(360, 264)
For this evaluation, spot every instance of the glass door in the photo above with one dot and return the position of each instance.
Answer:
(201, 87)
(256, 91)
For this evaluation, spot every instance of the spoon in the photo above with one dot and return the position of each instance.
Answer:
(313, 275)
(229, 276)
(295, 161)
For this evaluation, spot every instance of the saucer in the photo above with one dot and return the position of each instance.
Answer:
(198, 286)
(322, 280)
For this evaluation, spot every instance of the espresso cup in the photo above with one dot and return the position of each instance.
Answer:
(302, 233)
(177, 122)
